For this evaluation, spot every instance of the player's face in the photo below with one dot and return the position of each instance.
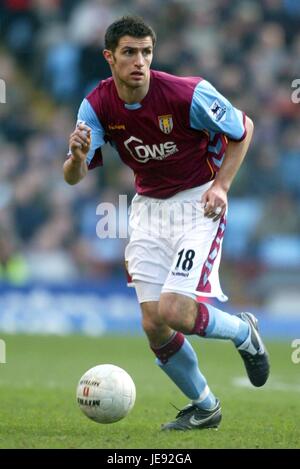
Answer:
(131, 61)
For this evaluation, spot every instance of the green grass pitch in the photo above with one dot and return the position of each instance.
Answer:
(38, 407)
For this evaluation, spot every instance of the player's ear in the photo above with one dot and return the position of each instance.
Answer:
(108, 55)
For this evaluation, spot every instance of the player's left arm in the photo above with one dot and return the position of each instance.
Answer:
(212, 112)
(216, 196)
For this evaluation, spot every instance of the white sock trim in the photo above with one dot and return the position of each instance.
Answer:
(203, 395)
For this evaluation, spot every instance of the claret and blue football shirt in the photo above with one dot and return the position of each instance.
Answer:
(174, 139)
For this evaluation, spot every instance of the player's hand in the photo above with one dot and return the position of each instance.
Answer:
(79, 142)
(214, 201)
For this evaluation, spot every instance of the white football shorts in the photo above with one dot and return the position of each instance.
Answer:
(174, 247)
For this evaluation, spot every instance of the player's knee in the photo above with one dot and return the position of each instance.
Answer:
(170, 309)
(176, 310)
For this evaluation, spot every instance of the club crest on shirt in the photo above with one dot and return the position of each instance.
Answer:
(166, 123)
(217, 111)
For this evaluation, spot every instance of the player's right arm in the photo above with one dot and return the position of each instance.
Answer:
(85, 144)
(75, 167)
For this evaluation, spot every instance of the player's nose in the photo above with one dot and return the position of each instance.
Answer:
(140, 60)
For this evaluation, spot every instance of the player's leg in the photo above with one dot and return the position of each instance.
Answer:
(175, 356)
(186, 315)
(181, 312)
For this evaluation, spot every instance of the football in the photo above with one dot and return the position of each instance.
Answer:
(106, 393)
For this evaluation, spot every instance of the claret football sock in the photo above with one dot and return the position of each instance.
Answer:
(213, 323)
(179, 361)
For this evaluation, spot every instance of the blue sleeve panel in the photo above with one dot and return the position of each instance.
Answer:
(87, 115)
(211, 111)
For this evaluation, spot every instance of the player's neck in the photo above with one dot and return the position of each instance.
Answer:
(131, 95)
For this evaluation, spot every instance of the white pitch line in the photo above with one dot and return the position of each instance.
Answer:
(272, 385)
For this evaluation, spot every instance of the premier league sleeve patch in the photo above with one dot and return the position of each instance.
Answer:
(217, 112)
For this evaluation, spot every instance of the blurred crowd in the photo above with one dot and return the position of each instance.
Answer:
(50, 58)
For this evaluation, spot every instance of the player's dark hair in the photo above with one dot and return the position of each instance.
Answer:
(127, 26)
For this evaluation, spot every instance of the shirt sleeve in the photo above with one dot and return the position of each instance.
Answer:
(211, 111)
(87, 115)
